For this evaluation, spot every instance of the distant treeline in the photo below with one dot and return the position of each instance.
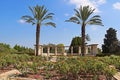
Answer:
(6, 48)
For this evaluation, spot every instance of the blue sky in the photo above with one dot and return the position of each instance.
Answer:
(16, 31)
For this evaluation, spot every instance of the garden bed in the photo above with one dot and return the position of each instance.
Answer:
(65, 68)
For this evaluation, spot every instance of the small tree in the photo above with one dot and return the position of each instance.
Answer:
(75, 43)
(110, 41)
(60, 48)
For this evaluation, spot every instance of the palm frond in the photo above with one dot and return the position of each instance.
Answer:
(43, 12)
(40, 14)
(87, 37)
(95, 20)
(77, 14)
(32, 10)
(74, 20)
(95, 23)
(28, 19)
(48, 16)
(50, 24)
(82, 16)
(85, 12)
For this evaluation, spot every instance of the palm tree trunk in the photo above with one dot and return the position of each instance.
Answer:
(83, 39)
(37, 39)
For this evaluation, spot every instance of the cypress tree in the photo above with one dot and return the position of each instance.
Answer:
(110, 41)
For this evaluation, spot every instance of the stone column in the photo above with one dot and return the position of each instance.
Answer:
(39, 50)
(89, 49)
(48, 51)
(86, 49)
(63, 50)
(79, 50)
(94, 49)
(55, 50)
(35, 49)
(71, 50)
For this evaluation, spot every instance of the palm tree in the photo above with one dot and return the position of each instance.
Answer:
(40, 16)
(83, 17)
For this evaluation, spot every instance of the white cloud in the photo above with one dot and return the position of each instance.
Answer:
(21, 21)
(116, 5)
(92, 3)
(101, 1)
(66, 14)
(94, 28)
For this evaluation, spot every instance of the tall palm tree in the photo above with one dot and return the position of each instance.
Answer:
(40, 16)
(83, 16)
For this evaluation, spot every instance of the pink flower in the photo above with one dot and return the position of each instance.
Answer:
(36, 76)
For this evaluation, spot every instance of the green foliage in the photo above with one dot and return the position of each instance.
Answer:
(99, 50)
(48, 75)
(60, 48)
(34, 67)
(110, 42)
(75, 43)
(23, 68)
(52, 48)
(23, 50)
(23, 62)
(82, 15)
(5, 48)
(62, 67)
(100, 54)
(87, 37)
(81, 67)
(75, 68)
(40, 15)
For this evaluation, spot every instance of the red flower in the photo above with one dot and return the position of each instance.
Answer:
(36, 76)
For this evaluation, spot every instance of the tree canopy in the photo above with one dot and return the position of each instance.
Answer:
(75, 43)
(111, 42)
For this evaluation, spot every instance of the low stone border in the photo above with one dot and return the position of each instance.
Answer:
(19, 78)
(117, 76)
(10, 75)
(6, 75)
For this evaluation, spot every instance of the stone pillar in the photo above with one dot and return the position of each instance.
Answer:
(71, 50)
(89, 49)
(48, 51)
(86, 49)
(35, 49)
(94, 49)
(79, 50)
(63, 50)
(40, 50)
(55, 50)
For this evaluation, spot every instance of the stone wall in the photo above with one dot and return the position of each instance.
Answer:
(90, 50)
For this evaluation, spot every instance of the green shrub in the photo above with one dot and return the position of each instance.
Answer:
(74, 67)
